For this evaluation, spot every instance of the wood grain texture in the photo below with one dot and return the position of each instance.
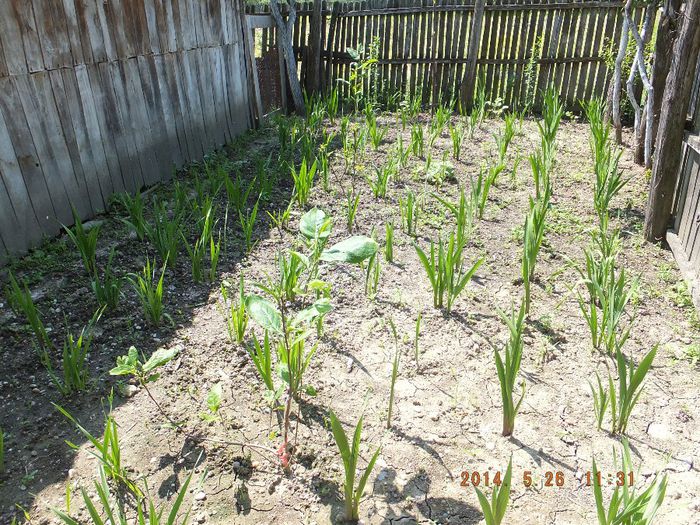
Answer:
(103, 97)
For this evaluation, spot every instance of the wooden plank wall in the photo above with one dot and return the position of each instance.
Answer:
(684, 237)
(694, 108)
(102, 97)
(424, 45)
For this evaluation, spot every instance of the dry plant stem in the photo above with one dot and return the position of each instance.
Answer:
(252, 446)
(160, 408)
(288, 403)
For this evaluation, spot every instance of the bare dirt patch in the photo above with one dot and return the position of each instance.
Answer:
(447, 413)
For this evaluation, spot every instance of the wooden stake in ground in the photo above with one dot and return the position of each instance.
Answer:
(617, 76)
(284, 38)
(674, 110)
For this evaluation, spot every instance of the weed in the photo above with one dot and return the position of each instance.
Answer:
(293, 357)
(247, 223)
(303, 181)
(533, 235)
(352, 201)
(350, 457)
(146, 512)
(108, 289)
(262, 358)
(107, 450)
(508, 369)
(445, 269)
(165, 233)
(409, 213)
(482, 186)
(495, 509)
(20, 298)
(374, 269)
(601, 398)
(134, 208)
(382, 175)
(389, 242)
(74, 364)
(150, 292)
(376, 134)
(85, 241)
(234, 313)
(626, 506)
(417, 141)
(457, 136)
(609, 292)
(629, 389)
(144, 370)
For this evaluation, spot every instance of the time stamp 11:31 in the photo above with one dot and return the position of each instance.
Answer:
(548, 478)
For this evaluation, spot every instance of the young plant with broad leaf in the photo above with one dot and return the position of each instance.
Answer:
(144, 371)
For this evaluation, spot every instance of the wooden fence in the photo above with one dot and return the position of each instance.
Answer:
(517, 47)
(694, 108)
(684, 237)
(103, 97)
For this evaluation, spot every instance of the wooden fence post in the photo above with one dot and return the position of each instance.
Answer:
(328, 79)
(313, 56)
(470, 79)
(674, 111)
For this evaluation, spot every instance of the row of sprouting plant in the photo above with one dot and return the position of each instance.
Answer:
(292, 306)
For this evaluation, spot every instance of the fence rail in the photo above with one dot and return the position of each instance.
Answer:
(431, 48)
(104, 97)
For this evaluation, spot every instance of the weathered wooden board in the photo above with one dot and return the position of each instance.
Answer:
(430, 48)
(103, 97)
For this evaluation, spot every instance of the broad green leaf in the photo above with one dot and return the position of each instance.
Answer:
(126, 364)
(214, 397)
(310, 313)
(159, 358)
(353, 250)
(311, 224)
(283, 372)
(311, 391)
(264, 313)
